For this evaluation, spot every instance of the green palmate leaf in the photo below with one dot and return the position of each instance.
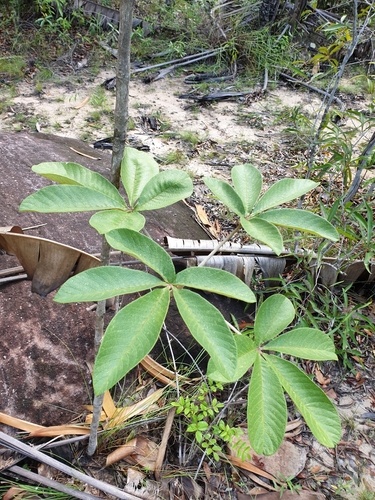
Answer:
(306, 343)
(208, 327)
(246, 352)
(137, 168)
(315, 407)
(143, 248)
(265, 232)
(74, 174)
(164, 189)
(226, 194)
(115, 219)
(247, 181)
(103, 283)
(131, 335)
(266, 409)
(302, 221)
(215, 281)
(272, 317)
(283, 191)
(67, 198)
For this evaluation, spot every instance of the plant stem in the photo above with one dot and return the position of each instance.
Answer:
(120, 131)
(216, 249)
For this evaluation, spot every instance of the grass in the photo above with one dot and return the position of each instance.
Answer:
(12, 67)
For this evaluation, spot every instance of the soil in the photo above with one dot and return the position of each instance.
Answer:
(45, 376)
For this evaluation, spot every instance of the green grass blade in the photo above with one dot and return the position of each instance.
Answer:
(208, 327)
(131, 335)
(306, 343)
(103, 283)
(266, 409)
(315, 407)
(144, 249)
(215, 281)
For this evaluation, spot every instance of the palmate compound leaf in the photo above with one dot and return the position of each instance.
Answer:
(137, 168)
(131, 335)
(164, 189)
(305, 343)
(74, 174)
(247, 181)
(246, 352)
(283, 191)
(144, 249)
(208, 327)
(315, 407)
(272, 317)
(264, 232)
(215, 281)
(301, 220)
(266, 409)
(104, 283)
(226, 195)
(107, 220)
(66, 198)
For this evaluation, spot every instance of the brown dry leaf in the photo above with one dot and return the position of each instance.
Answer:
(17, 493)
(161, 373)
(202, 215)
(47, 263)
(292, 495)
(140, 450)
(331, 393)
(288, 461)
(19, 424)
(109, 406)
(321, 379)
(60, 430)
(250, 467)
(83, 103)
(122, 414)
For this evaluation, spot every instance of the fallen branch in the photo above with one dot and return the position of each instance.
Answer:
(314, 89)
(28, 451)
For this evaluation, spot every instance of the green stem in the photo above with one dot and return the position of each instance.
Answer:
(216, 249)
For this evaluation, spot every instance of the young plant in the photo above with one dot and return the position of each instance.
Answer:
(258, 216)
(134, 330)
(272, 376)
(83, 190)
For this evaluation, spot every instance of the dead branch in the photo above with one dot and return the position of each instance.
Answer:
(28, 451)
(314, 89)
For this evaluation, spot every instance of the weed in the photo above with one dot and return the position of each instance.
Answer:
(366, 495)
(177, 157)
(12, 67)
(202, 414)
(99, 98)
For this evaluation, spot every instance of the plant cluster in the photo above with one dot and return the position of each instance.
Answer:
(132, 334)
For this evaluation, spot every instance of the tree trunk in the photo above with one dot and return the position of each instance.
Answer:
(120, 131)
